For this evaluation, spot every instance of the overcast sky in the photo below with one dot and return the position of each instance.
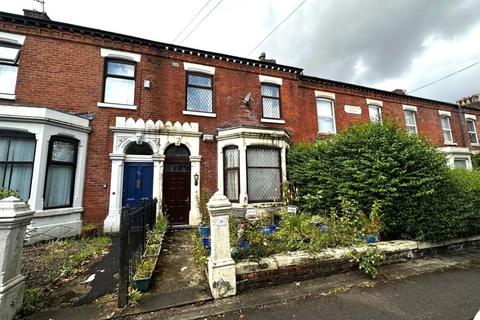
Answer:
(386, 44)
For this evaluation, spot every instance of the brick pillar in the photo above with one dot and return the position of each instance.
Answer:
(221, 267)
(15, 215)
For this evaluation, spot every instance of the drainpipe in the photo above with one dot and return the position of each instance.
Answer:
(462, 127)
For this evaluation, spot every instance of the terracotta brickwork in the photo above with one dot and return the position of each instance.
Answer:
(62, 69)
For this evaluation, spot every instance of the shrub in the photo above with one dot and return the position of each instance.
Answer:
(367, 260)
(5, 193)
(369, 163)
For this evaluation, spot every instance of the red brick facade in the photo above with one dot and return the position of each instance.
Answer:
(61, 68)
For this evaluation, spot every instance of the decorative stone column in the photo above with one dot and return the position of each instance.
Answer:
(194, 216)
(221, 267)
(158, 164)
(242, 149)
(15, 215)
(112, 222)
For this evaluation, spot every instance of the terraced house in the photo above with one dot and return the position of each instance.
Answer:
(92, 120)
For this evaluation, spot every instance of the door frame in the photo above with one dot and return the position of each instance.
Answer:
(159, 136)
(176, 159)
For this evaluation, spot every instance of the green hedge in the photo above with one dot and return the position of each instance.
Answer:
(420, 197)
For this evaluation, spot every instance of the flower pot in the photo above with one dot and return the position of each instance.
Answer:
(268, 230)
(204, 231)
(150, 254)
(244, 244)
(142, 284)
(206, 242)
(371, 238)
(322, 226)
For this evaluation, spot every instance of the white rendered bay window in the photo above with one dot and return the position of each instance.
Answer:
(231, 162)
(60, 177)
(263, 174)
(17, 152)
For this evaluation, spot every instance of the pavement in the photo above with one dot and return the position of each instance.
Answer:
(443, 287)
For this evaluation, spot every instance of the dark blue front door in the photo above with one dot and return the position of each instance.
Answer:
(137, 183)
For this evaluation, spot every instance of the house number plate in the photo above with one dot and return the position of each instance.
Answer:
(221, 221)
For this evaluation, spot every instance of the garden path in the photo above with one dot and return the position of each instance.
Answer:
(177, 280)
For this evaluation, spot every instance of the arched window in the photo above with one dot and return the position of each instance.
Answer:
(141, 149)
(61, 166)
(177, 159)
(17, 152)
(231, 171)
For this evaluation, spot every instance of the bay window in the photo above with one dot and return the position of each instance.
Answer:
(119, 82)
(8, 67)
(263, 174)
(59, 184)
(231, 171)
(17, 152)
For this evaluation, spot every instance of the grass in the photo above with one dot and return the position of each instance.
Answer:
(50, 268)
(93, 247)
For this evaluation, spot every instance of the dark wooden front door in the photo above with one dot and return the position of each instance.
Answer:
(176, 185)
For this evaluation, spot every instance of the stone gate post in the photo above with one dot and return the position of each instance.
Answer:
(15, 215)
(221, 267)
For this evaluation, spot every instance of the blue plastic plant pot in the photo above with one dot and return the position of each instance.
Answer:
(264, 230)
(204, 231)
(272, 228)
(371, 238)
(244, 244)
(206, 242)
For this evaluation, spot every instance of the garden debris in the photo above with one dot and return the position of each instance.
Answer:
(88, 280)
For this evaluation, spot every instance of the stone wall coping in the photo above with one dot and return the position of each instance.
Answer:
(296, 258)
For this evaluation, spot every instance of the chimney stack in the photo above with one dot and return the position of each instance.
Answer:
(35, 14)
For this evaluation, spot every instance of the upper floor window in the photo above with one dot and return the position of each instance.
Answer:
(9, 54)
(472, 131)
(375, 113)
(17, 152)
(231, 168)
(59, 184)
(325, 116)
(199, 92)
(410, 121)
(446, 128)
(263, 174)
(119, 82)
(270, 101)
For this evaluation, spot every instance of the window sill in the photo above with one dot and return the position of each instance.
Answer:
(475, 144)
(7, 96)
(200, 114)
(451, 144)
(279, 121)
(324, 133)
(117, 106)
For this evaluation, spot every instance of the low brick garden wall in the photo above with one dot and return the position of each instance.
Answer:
(300, 265)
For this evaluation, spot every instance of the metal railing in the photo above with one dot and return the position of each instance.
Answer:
(134, 223)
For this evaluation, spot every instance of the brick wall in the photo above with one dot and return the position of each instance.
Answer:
(63, 70)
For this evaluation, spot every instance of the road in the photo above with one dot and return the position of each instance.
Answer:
(450, 295)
